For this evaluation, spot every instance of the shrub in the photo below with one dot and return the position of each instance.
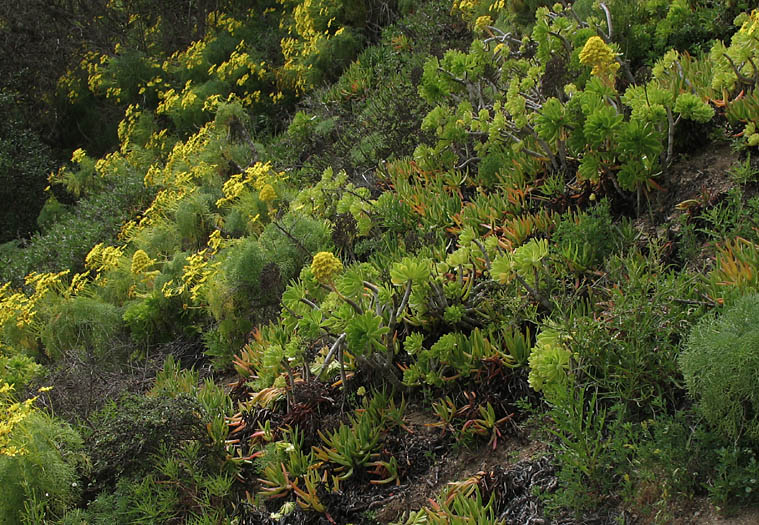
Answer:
(45, 474)
(128, 432)
(155, 318)
(585, 239)
(24, 164)
(82, 323)
(720, 365)
(737, 477)
(629, 350)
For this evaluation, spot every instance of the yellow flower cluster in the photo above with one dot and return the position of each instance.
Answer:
(751, 25)
(239, 67)
(20, 309)
(226, 22)
(103, 258)
(257, 176)
(141, 261)
(189, 58)
(215, 241)
(172, 100)
(601, 57)
(325, 266)
(198, 270)
(482, 23)
(13, 413)
(126, 126)
(306, 37)
(267, 193)
(78, 156)
(471, 9)
(164, 204)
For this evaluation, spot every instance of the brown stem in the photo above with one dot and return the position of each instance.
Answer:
(536, 294)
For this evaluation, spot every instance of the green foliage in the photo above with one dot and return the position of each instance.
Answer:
(135, 428)
(744, 172)
(454, 355)
(458, 509)
(590, 448)
(18, 369)
(736, 477)
(549, 365)
(719, 363)
(586, 239)
(24, 166)
(195, 220)
(351, 446)
(436, 266)
(155, 318)
(64, 245)
(648, 29)
(52, 211)
(46, 474)
(84, 324)
(365, 334)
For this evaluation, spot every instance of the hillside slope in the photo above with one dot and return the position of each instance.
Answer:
(397, 262)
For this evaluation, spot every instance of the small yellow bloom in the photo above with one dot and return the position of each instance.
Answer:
(78, 156)
(141, 261)
(267, 193)
(325, 266)
(601, 57)
(482, 22)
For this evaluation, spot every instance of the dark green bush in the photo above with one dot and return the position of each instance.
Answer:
(65, 244)
(586, 238)
(646, 30)
(126, 433)
(155, 318)
(24, 166)
(51, 213)
(736, 480)
(629, 350)
(194, 219)
(720, 364)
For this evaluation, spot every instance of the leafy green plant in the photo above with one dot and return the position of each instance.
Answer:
(45, 474)
(585, 239)
(744, 172)
(718, 364)
(628, 350)
(736, 477)
(135, 428)
(83, 323)
(550, 361)
(350, 446)
(588, 451)
(736, 267)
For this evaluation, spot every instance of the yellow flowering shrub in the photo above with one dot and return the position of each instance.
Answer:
(19, 322)
(479, 13)
(12, 413)
(195, 276)
(103, 258)
(257, 177)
